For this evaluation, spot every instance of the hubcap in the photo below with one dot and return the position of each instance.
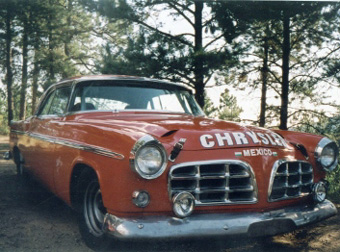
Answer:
(94, 210)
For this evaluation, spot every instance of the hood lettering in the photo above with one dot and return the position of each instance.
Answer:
(220, 139)
(241, 138)
(253, 137)
(264, 140)
(256, 152)
(207, 141)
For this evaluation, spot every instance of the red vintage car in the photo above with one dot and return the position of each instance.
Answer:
(137, 158)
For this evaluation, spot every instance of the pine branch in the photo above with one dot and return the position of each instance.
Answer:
(185, 76)
(308, 125)
(307, 111)
(173, 5)
(184, 7)
(168, 35)
(213, 41)
(274, 88)
(274, 75)
(208, 79)
(185, 34)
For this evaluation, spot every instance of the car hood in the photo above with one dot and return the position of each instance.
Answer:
(198, 132)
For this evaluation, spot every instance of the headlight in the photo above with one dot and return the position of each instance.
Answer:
(148, 158)
(326, 153)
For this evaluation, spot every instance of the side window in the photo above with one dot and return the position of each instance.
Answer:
(56, 102)
(47, 104)
(168, 102)
(60, 100)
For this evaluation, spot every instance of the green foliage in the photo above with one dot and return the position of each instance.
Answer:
(334, 189)
(64, 40)
(227, 110)
(3, 114)
(311, 25)
(331, 60)
(157, 52)
(209, 109)
(332, 130)
(330, 127)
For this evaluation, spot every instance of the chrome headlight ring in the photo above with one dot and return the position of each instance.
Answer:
(183, 204)
(326, 153)
(319, 191)
(148, 157)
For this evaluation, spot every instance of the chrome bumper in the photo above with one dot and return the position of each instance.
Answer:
(204, 225)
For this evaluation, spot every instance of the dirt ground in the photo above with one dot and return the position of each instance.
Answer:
(32, 219)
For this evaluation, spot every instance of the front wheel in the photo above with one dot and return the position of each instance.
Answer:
(92, 212)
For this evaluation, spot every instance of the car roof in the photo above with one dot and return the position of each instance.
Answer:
(135, 80)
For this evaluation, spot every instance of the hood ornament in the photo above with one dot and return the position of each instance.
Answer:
(177, 149)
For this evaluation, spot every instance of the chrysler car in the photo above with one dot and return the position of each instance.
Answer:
(138, 159)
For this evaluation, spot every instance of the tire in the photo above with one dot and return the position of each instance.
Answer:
(92, 212)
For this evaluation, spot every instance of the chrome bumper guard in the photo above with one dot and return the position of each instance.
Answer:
(203, 225)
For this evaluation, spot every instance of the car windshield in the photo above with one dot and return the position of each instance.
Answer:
(113, 96)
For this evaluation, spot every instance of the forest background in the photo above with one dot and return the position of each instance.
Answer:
(285, 55)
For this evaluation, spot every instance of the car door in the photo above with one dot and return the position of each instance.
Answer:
(42, 132)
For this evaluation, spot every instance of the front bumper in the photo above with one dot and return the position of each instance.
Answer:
(204, 225)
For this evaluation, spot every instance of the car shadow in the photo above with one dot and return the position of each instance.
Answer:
(230, 244)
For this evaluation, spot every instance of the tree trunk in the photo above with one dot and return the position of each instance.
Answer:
(198, 50)
(68, 34)
(264, 79)
(36, 70)
(51, 56)
(22, 113)
(285, 71)
(51, 73)
(9, 74)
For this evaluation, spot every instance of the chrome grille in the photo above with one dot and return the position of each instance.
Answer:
(290, 179)
(215, 182)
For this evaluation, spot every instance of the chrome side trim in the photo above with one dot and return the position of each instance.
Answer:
(42, 137)
(218, 225)
(90, 148)
(72, 144)
(19, 132)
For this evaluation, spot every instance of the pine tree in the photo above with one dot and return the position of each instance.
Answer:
(228, 108)
(43, 41)
(7, 16)
(155, 52)
(280, 35)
